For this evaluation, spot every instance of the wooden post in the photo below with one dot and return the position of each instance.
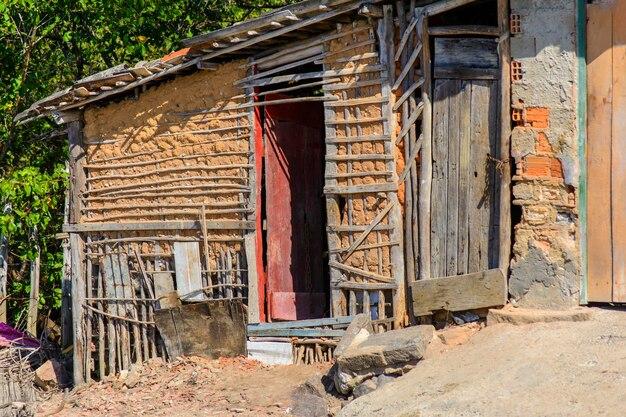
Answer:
(504, 51)
(66, 283)
(77, 247)
(33, 300)
(250, 236)
(333, 215)
(408, 185)
(426, 166)
(386, 36)
(4, 271)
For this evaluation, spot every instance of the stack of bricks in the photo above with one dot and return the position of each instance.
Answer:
(544, 145)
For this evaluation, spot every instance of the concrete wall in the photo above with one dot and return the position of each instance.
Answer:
(545, 271)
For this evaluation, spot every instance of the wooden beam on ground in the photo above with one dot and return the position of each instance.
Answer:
(459, 293)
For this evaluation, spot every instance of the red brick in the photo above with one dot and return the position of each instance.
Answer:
(543, 144)
(542, 166)
(537, 117)
(517, 72)
(175, 54)
(517, 116)
(556, 168)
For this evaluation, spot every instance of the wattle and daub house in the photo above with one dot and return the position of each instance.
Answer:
(337, 157)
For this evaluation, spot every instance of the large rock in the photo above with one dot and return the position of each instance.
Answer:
(392, 353)
(521, 316)
(359, 329)
(393, 348)
(51, 375)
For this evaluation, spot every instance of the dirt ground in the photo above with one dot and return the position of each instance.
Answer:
(189, 387)
(556, 369)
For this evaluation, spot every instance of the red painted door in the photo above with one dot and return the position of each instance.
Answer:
(294, 175)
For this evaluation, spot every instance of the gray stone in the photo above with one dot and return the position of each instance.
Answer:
(309, 405)
(520, 316)
(318, 385)
(361, 326)
(392, 348)
(466, 317)
(365, 387)
(538, 282)
(394, 352)
(384, 379)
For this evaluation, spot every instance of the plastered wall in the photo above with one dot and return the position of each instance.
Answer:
(545, 271)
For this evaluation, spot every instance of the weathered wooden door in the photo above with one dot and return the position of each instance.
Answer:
(606, 151)
(295, 210)
(465, 187)
(465, 194)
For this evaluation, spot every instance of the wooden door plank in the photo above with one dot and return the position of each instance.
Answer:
(111, 308)
(452, 222)
(459, 293)
(128, 293)
(599, 98)
(439, 184)
(465, 135)
(187, 267)
(618, 152)
(163, 280)
(493, 209)
(123, 327)
(478, 156)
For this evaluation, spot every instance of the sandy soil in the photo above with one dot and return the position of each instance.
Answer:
(558, 369)
(189, 387)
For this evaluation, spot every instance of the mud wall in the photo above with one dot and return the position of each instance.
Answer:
(545, 271)
(360, 209)
(177, 148)
(177, 152)
(360, 185)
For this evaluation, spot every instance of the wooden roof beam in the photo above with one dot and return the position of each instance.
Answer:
(292, 12)
(282, 31)
(445, 6)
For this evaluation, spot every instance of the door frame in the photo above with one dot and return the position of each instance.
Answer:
(581, 24)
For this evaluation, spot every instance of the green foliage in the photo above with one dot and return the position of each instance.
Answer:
(46, 45)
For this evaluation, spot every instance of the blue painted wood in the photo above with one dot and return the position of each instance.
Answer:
(296, 332)
(333, 321)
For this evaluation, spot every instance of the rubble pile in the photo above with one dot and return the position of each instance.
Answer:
(367, 361)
